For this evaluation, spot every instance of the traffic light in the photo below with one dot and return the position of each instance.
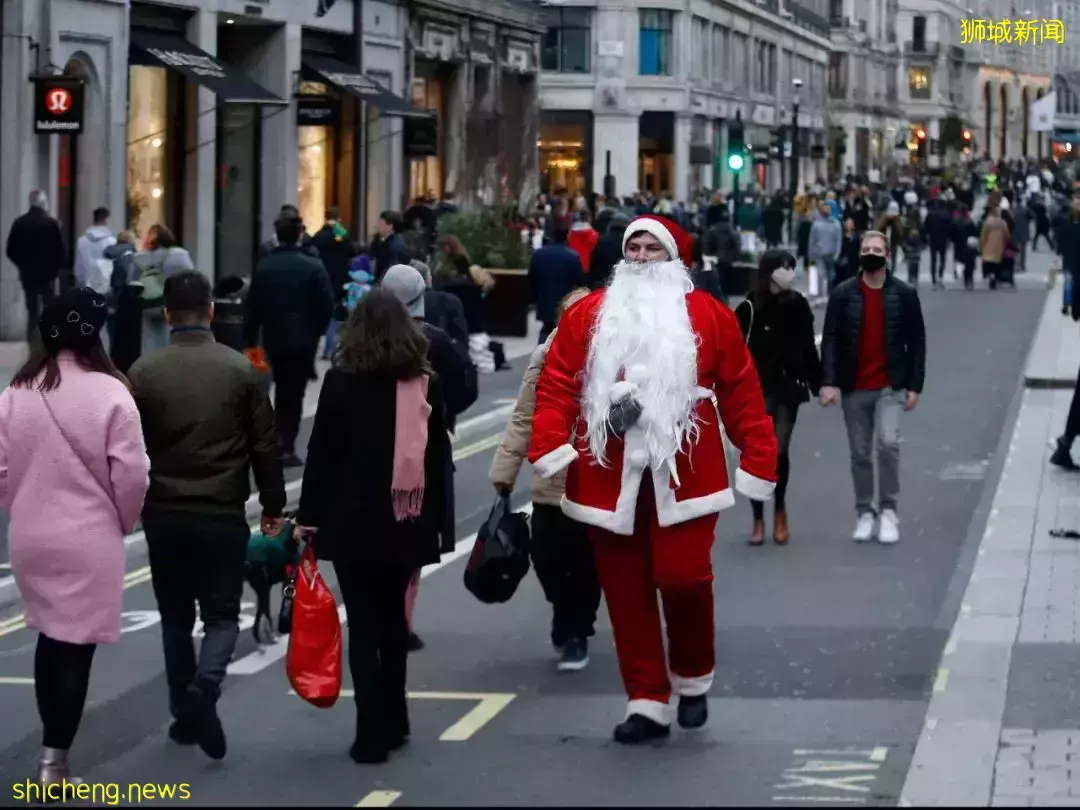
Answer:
(776, 147)
(736, 157)
(969, 142)
(920, 136)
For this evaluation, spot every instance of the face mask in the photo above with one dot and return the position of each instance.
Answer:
(783, 277)
(871, 262)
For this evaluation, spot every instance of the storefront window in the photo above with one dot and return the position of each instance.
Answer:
(562, 158)
(147, 156)
(316, 166)
(426, 173)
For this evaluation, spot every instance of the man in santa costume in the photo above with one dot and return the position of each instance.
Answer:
(636, 382)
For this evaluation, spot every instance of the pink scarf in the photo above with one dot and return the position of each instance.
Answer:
(410, 448)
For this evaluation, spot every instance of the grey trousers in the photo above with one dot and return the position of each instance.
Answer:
(871, 415)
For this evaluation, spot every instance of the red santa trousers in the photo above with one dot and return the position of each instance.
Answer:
(677, 561)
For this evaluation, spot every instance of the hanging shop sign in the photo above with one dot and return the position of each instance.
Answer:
(421, 137)
(318, 111)
(59, 104)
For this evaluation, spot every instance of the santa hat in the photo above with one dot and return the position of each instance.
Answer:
(677, 242)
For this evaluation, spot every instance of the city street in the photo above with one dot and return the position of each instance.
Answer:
(827, 651)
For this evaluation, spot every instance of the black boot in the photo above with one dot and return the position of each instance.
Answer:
(693, 711)
(1062, 457)
(638, 729)
(201, 717)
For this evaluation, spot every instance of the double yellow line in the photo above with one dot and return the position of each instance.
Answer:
(131, 579)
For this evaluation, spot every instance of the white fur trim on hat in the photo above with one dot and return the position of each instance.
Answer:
(655, 229)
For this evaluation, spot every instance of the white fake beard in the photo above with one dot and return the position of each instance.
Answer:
(643, 332)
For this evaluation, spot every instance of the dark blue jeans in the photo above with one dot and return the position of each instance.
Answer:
(196, 559)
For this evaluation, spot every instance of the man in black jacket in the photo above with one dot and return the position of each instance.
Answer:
(267, 247)
(554, 271)
(608, 251)
(938, 228)
(1068, 246)
(35, 246)
(873, 353)
(388, 247)
(208, 426)
(290, 303)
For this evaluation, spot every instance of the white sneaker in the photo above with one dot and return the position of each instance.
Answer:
(864, 529)
(889, 532)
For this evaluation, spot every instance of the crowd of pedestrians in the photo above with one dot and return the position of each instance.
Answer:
(637, 344)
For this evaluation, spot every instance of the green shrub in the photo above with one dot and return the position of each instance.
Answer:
(488, 238)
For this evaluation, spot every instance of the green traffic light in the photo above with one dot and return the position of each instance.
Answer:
(735, 162)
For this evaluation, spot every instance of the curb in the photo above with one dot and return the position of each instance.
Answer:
(135, 553)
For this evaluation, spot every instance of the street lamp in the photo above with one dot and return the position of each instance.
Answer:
(796, 85)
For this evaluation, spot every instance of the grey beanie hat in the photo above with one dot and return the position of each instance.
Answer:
(408, 285)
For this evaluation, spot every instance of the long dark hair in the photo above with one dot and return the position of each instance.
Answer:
(94, 359)
(380, 336)
(771, 261)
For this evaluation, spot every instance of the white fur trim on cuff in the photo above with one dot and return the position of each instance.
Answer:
(752, 487)
(655, 229)
(556, 461)
(653, 709)
(692, 687)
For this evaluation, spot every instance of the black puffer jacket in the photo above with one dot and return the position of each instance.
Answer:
(905, 336)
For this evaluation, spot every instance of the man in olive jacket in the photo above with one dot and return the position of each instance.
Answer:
(208, 426)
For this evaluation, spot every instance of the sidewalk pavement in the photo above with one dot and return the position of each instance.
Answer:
(1003, 724)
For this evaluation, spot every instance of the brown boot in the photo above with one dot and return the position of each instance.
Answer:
(757, 534)
(781, 533)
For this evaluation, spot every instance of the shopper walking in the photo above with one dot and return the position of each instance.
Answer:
(778, 326)
(75, 474)
(208, 427)
(561, 552)
(873, 353)
(379, 432)
(289, 306)
(35, 246)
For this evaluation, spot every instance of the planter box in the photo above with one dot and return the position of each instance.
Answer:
(507, 305)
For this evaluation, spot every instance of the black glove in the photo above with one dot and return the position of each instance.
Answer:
(624, 415)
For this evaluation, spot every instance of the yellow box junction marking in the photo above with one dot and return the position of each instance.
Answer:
(488, 705)
(379, 798)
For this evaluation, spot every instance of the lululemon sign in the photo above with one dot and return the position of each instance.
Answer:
(58, 105)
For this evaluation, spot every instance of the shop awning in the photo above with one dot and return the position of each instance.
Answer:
(168, 50)
(349, 79)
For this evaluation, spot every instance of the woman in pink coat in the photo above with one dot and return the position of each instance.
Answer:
(73, 473)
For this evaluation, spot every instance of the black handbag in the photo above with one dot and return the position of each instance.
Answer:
(500, 555)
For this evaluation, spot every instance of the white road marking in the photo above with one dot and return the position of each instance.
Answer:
(266, 656)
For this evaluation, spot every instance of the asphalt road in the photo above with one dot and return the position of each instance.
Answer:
(827, 650)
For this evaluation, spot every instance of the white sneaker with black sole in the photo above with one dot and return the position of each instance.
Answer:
(864, 528)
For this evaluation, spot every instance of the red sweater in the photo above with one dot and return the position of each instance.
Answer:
(582, 241)
(873, 373)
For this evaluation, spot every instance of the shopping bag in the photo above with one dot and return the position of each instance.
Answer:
(313, 661)
(500, 555)
(815, 281)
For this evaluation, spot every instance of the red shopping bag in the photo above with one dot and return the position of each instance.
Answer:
(313, 662)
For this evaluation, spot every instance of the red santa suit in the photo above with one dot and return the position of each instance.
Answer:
(651, 497)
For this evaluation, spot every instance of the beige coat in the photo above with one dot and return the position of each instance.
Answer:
(994, 237)
(514, 449)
